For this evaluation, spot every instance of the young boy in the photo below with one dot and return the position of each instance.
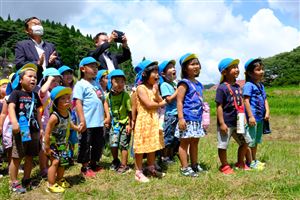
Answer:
(120, 109)
(168, 91)
(90, 113)
(229, 99)
(23, 109)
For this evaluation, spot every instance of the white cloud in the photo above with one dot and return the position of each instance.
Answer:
(289, 6)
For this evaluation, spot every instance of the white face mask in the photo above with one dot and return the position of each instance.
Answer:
(37, 30)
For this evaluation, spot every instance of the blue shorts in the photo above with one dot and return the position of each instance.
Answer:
(73, 138)
(170, 123)
(255, 133)
(193, 129)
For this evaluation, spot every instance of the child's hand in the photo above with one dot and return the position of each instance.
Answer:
(252, 121)
(128, 129)
(182, 124)
(107, 122)
(132, 125)
(223, 128)
(82, 127)
(155, 89)
(15, 128)
(48, 151)
(267, 117)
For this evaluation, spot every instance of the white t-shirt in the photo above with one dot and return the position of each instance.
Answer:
(40, 50)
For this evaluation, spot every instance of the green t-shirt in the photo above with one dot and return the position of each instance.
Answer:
(119, 106)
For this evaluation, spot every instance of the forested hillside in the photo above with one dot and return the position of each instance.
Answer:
(71, 45)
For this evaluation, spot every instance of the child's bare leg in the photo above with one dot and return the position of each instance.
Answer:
(248, 156)
(124, 158)
(60, 172)
(138, 161)
(184, 143)
(151, 159)
(223, 156)
(194, 150)
(43, 161)
(28, 167)
(13, 168)
(52, 171)
(241, 153)
(114, 152)
(253, 152)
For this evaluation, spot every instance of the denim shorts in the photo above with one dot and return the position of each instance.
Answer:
(170, 123)
(119, 139)
(255, 133)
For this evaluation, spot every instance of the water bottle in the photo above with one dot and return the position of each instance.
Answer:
(24, 129)
(206, 116)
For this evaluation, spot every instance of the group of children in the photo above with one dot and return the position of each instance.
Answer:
(164, 117)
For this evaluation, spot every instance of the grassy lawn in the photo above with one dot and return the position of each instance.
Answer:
(280, 180)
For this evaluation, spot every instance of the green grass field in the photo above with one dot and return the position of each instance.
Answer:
(280, 179)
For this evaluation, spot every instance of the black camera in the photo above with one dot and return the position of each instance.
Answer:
(120, 35)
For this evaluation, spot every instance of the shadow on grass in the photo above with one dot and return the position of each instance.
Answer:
(75, 179)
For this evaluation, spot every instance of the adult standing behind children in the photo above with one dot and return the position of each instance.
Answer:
(35, 50)
(107, 59)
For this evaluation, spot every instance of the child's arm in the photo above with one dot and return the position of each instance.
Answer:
(223, 126)
(267, 116)
(39, 120)
(13, 118)
(155, 89)
(80, 114)
(107, 114)
(172, 97)
(252, 121)
(50, 125)
(180, 97)
(3, 115)
(44, 89)
(75, 127)
(128, 126)
(148, 103)
(133, 110)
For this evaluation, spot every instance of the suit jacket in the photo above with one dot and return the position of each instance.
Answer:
(25, 52)
(115, 58)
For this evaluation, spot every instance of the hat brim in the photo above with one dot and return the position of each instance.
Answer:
(28, 66)
(254, 61)
(98, 64)
(234, 62)
(191, 56)
(64, 91)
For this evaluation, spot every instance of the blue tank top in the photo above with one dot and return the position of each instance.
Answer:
(193, 100)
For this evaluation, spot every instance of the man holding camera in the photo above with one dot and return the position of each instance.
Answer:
(107, 59)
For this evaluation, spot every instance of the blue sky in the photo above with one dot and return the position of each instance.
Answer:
(161, 30)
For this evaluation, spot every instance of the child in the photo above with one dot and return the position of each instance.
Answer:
(56, 138)
(257, 107)
(168, 91)
(51, 79)
(189, 107)
(90, 113)
(25, 116)
(68, 81)
(102, 79)
(229, 102)
(120, 109)
(147, 138)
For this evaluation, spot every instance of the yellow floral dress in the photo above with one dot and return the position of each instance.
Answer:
(147, 137)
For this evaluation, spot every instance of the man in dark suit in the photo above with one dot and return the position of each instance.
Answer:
(35, 50)
(108, 60)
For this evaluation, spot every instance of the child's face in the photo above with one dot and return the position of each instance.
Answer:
(68, 77)
(55, 82)
(3, 89)
(90, 70)
(118, 84)
(28, 81)
(193, 68)
(153, 78)
(64, 102)
(103, 81)
(232, 72)
(170, 72)
(258, 73)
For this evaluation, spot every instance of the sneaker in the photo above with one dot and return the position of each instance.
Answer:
(242, 167)
(197, 168)
(123, 169)
(167, 161)
(88, 173)
(154, 172)
(18, 188)
(157, 167)
(55, 188)
(63, 183)
(139, 176)
(227, 170)
(115, 164)
(96, 168)
(257, 165)
(260, 163)
(188, 171)
(26, 183)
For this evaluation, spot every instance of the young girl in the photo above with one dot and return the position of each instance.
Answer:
(68, 81)
(257, 107)
(189, 107)
(102, 79)
(147, 138)
(51, 79)
(56, 138)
